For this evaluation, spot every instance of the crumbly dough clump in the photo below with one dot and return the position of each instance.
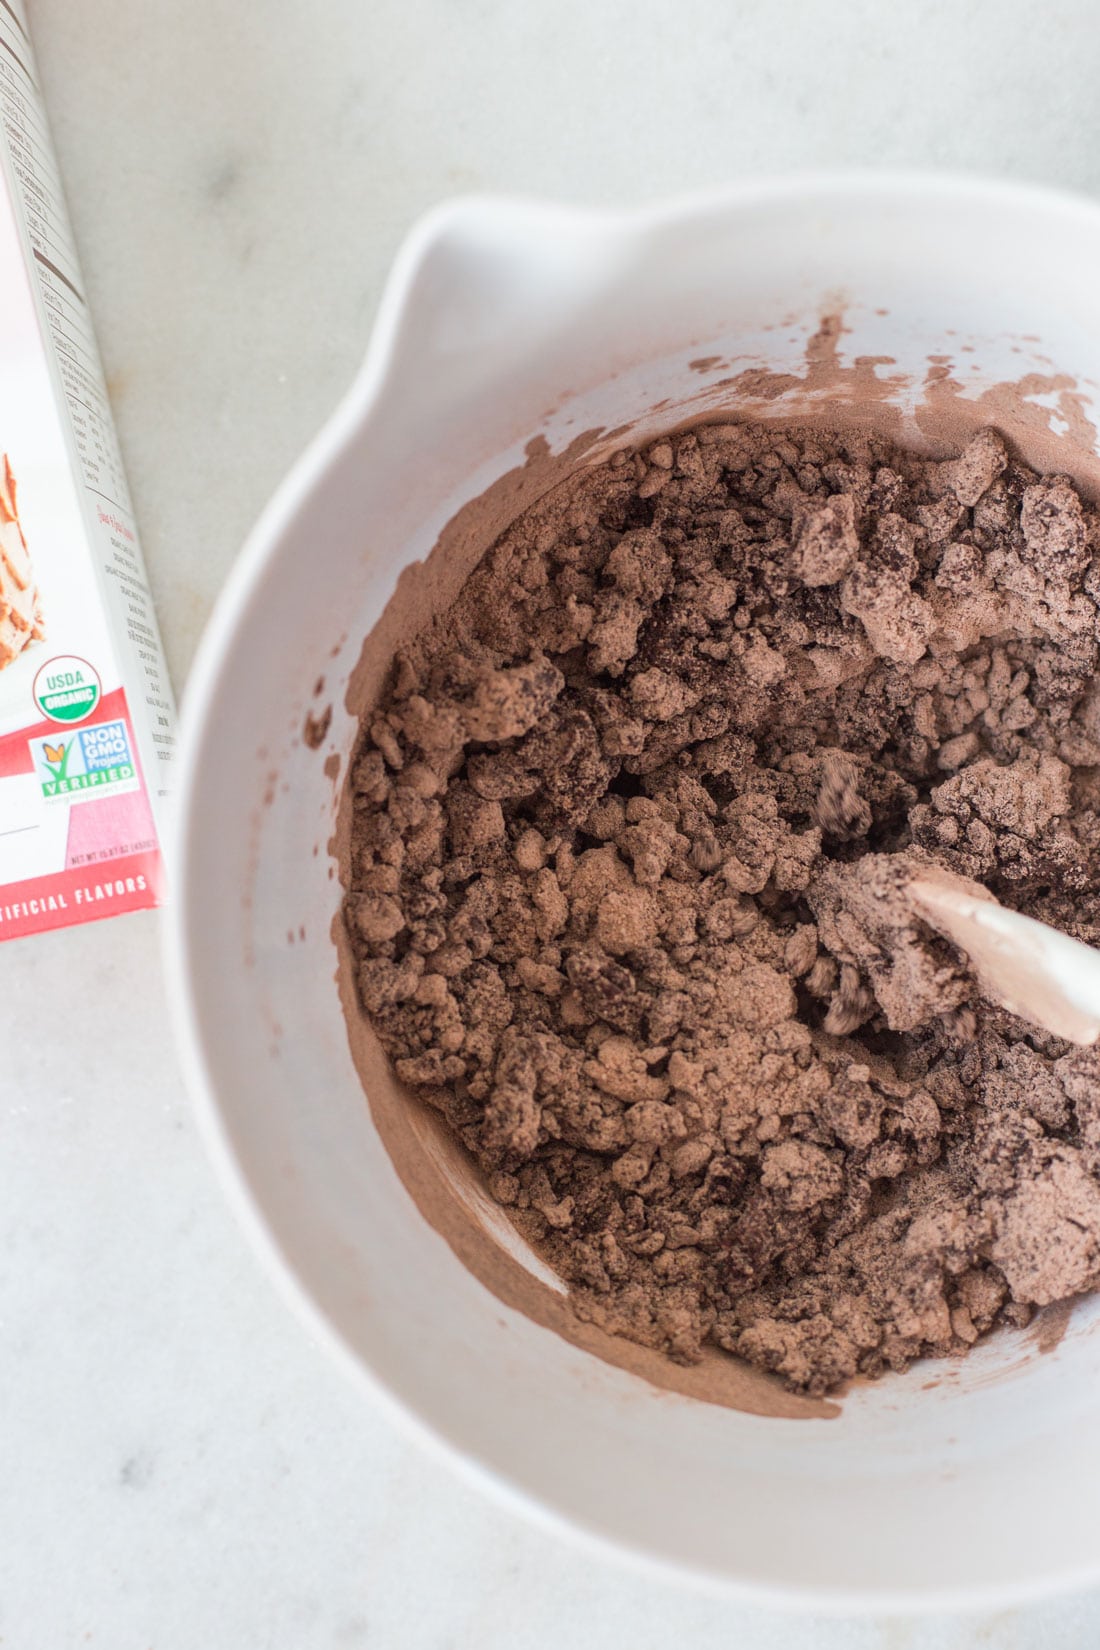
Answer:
(633, 824)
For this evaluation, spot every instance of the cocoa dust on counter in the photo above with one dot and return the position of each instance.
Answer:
(632, 828)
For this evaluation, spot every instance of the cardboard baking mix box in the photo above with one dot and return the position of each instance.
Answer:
(86, 716)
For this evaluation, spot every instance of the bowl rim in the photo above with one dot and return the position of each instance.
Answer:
(308, 472)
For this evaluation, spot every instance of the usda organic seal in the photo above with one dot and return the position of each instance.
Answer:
(67, 689)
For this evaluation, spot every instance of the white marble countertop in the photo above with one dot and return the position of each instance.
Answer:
(180, 1466)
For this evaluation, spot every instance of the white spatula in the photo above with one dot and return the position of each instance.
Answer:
(1027, 967)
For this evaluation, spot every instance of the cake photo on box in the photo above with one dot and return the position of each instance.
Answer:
(20, 612)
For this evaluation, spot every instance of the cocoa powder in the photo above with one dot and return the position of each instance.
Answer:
(632, 827)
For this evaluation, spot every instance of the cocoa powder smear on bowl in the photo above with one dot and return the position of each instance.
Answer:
(632, 828)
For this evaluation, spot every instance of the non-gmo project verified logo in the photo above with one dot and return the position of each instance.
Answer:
(90, 762)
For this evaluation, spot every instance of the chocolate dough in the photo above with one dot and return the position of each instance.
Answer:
(633, 824)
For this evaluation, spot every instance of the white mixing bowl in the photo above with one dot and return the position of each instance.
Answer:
(504, 320)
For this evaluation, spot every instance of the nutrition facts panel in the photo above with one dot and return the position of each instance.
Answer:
(63, 314)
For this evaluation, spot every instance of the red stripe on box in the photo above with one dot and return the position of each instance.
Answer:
(15, 750)
(133, 882)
